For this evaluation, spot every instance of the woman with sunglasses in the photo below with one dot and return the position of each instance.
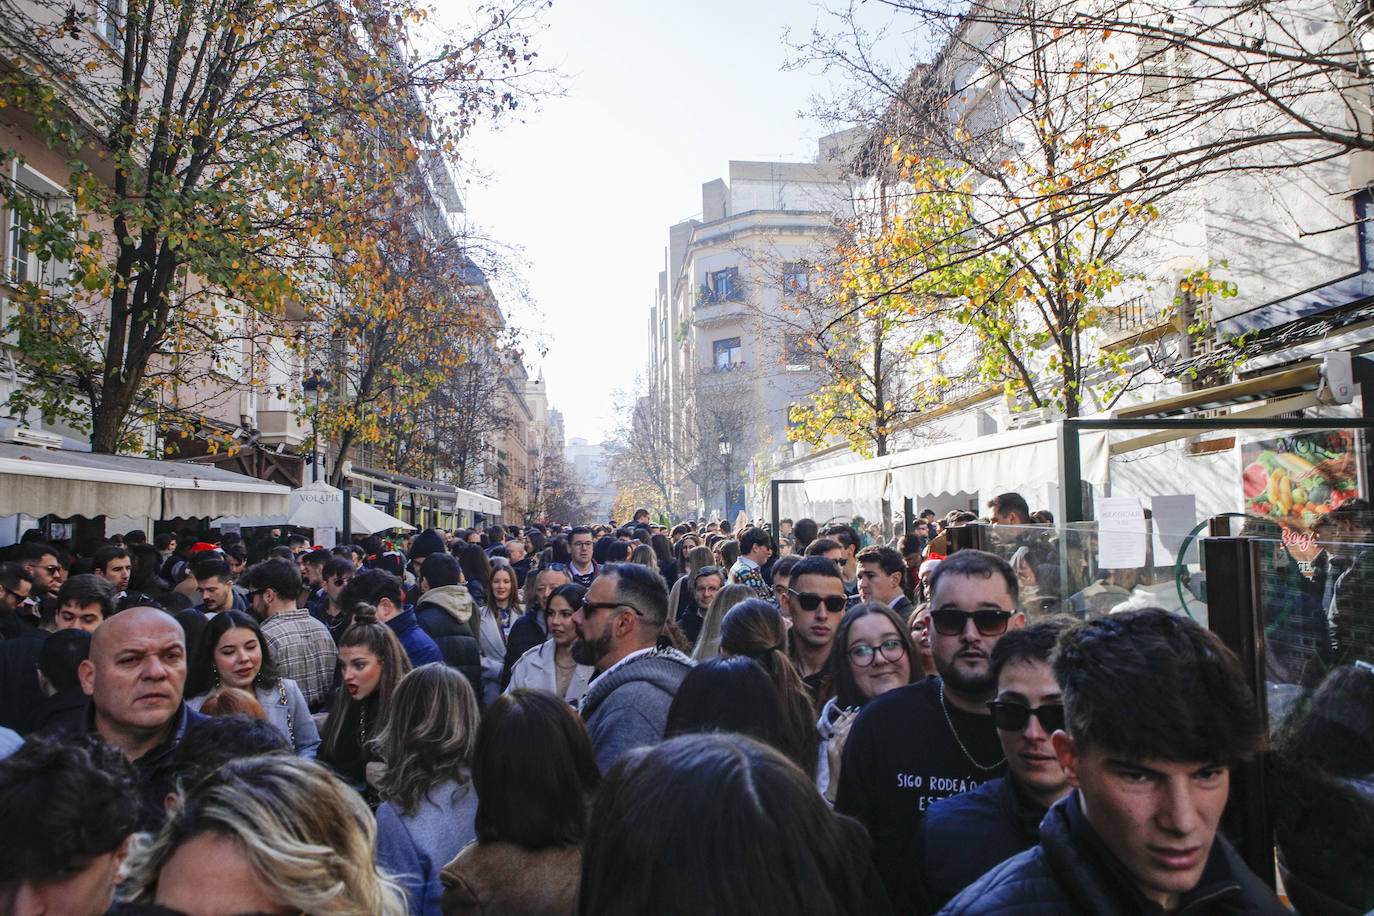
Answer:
(233, 653)
(873, 653)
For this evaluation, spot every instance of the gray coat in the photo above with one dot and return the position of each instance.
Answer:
(627, 707)
(413, 849)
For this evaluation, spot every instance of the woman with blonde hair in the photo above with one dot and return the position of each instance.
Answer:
(644, 555)
(372, 663)
(274, 835)
(428, 803)
(708, 643)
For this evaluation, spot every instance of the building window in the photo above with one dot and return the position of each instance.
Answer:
(797, 352)
(724, 284)
(42, 196)
(795, 279)
(109, 22)
(727, 353)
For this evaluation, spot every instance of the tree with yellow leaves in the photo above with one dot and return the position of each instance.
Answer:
(225, 159)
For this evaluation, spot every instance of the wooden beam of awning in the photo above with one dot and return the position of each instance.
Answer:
(1255, 389)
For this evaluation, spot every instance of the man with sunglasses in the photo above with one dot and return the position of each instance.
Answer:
(16, 604)
(917, 744)
(965, 836)
(618, 627)
(816, 598)
(44, 563)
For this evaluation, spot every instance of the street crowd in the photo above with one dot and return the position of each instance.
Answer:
(640, 719)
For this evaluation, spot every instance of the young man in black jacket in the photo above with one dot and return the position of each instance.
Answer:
(964, 836)
(1156, 713)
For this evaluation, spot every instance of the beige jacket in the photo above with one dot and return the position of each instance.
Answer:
(503, 879)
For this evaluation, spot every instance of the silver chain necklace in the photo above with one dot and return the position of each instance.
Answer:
(944, 707)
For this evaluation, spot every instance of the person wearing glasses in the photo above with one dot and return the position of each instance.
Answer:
(582, 568)
(1156, 713)
(817, 601)
(618, 626)
(44, 563)
(918, 744)
(16, 603)
(965, 836)
(872, 654)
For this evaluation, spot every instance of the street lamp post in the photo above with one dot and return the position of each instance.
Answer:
(315, 384)
(723, 444)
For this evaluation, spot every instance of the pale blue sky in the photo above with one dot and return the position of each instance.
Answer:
(659, 97)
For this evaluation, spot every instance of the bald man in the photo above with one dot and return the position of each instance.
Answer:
(134, 677)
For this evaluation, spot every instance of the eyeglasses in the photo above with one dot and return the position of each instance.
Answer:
(862, 654)
(590, 606)
(340, 583)
(50, 570)
(952, 622)
(576, 544)
(810, 601)
(11, 592)
(1014, 717)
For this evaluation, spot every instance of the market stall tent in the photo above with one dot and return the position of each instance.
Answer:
(319, 505)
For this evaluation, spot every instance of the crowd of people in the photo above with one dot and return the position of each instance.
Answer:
(634, 719)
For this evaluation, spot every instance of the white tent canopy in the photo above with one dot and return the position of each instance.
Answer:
(1014, 460)
(62, 482)
(318, 505)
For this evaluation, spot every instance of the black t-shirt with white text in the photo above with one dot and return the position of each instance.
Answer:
(901, 758)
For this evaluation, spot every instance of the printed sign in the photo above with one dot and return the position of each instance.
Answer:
(1294, 479)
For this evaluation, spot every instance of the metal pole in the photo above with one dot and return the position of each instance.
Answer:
(1070, 473)
(347, 530)
(1234, 593)
(908, 515)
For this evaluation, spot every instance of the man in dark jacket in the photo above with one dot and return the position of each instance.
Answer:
(444, 610)
(134, 677)
(964, 836)
(63, 709)
(1151, 776)
(382, 590)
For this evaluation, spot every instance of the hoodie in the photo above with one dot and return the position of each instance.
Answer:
(445, 613)
(627, 707)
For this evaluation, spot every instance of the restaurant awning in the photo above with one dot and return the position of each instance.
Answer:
(65, 483)
(1012, 460)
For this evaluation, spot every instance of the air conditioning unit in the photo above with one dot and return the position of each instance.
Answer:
(22, 435)
(1032, 417)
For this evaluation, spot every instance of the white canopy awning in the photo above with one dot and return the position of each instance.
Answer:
(65, 483)
(319, 505)
(1013, 460)
(476, 502)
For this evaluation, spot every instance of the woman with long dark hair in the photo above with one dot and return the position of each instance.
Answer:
(534, 772)
(428, 803)
(476, 567)
(550, 665)
(496, 615)
(233, 653)
(718, 824)
(372, 663)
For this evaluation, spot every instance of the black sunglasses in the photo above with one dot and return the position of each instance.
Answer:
(810, 601)
(952, 622)
(590, 606)
(1014, 717)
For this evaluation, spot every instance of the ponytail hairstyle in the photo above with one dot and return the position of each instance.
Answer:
(755, 629)
(368, 633)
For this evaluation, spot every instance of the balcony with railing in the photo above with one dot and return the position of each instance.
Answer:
(1135, 321)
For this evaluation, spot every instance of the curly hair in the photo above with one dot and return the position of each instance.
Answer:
(65, 802)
